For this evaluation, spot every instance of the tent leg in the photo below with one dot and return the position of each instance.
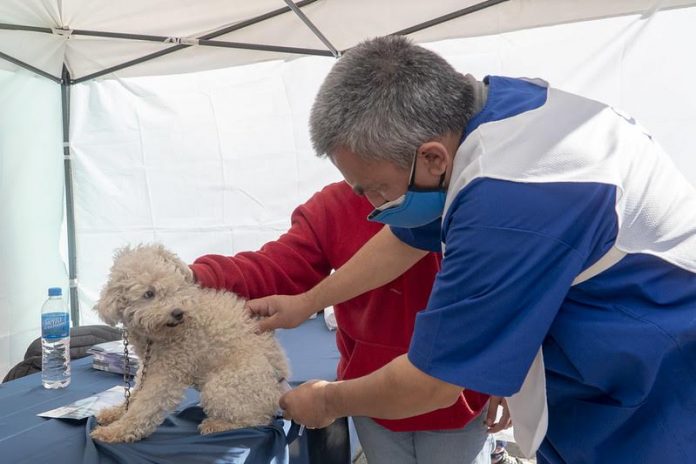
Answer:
(69, 204)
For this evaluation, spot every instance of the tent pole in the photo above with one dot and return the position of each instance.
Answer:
(69, 204)
(449, 17)
(226, 30)
(312, 28)
(204, 43)
(203, 39)
(29, 67)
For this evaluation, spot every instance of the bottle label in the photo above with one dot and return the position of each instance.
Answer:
(55, 325)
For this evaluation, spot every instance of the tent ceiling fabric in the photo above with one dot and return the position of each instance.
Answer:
(343, 22)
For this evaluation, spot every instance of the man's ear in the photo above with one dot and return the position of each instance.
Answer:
(433, 158)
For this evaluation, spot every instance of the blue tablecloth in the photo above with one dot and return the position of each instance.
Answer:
(27, 438)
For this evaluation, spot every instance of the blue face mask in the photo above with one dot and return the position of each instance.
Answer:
(416, 208)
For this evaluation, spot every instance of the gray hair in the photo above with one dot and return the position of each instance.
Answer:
(385, 97)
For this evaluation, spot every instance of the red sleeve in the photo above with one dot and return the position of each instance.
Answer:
(290, 265)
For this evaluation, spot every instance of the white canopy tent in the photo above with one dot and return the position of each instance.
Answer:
(170, 132)
(92, 38)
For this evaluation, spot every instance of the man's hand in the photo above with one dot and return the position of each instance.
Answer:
(307, 404)
(504, 422)
(281, 311)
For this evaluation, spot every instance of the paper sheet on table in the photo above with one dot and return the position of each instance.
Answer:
(86, 407)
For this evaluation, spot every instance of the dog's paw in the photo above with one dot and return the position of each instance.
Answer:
(112, 434)
(109, 415)
(210, 425)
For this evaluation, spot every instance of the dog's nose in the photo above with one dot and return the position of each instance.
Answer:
(177, 314)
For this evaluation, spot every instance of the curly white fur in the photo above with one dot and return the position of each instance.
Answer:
(199, 337)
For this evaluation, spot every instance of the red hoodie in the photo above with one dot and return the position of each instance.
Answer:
(373, 328)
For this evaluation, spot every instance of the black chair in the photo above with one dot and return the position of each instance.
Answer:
(81, 339)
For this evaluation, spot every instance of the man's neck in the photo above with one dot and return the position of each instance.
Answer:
(480, 93)
(451, 140)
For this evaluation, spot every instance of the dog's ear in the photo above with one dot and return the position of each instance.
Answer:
(111, 299)
(111, 305)
(181, 266)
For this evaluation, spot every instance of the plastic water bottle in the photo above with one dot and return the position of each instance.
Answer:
(55, 341)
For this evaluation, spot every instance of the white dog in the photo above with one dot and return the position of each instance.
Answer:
(186, 336)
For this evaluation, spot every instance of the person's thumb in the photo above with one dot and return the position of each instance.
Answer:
(270, 323)
(282, 401)
(260, 306)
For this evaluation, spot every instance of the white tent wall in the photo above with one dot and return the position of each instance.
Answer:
(31, 211)
(342, 22)
(215, 161)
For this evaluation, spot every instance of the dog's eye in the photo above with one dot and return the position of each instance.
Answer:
(149, 294)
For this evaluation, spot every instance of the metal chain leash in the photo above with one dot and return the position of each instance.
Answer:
(127, 378)
(126, 368)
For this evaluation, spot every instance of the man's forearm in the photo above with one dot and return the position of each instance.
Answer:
(395, 391)
(382, 259)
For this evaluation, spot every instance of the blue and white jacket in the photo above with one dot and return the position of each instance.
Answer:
(544, 184)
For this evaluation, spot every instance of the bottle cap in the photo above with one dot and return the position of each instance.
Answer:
(55, 291)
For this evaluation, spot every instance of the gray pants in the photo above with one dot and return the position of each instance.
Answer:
(470, 444)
